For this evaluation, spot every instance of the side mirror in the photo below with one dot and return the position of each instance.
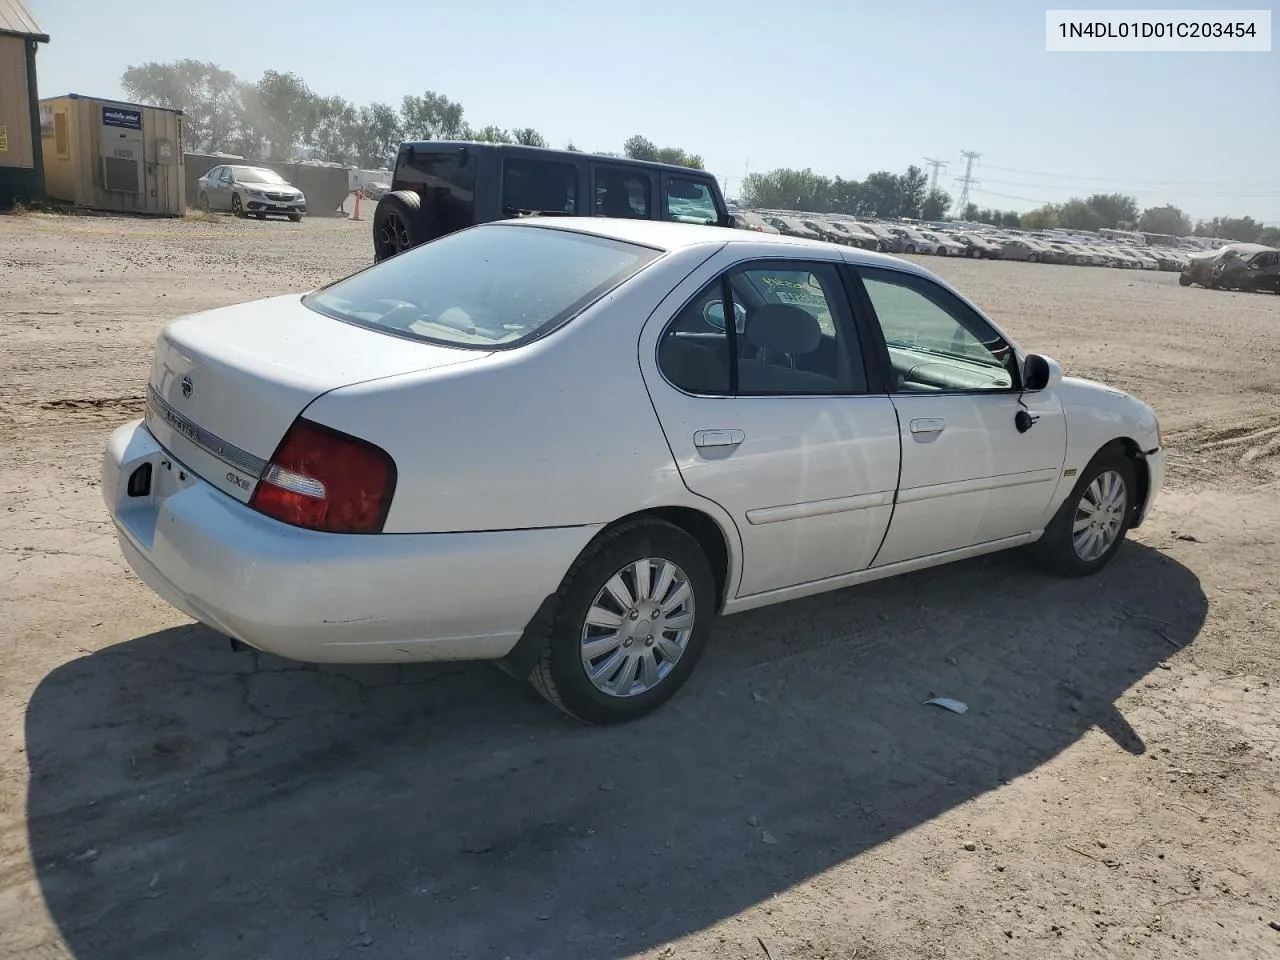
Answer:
(1040, 373)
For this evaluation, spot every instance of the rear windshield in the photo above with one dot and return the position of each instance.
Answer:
(489, 287)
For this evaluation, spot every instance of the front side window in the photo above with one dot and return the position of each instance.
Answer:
(936, 343)
(691, 201)
(490, 287)
(791, 335)
(538, 186)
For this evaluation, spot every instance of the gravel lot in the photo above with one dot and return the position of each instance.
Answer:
(1113, 791)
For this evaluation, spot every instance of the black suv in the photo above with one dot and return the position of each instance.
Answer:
(441, 186)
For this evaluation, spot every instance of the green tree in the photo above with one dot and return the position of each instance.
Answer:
(489, 134)
(642, 148)
(1270, 236)
(912, 187)
(1011, 218)
(971, 212)
(335, 130)
(1077, 214)
(1043, 218)
(529, 137)
(432, 116)
(1167, 219)
(1113, 210)
(287, 106)
(882, 193)
(786, 189)
(935, 205)
(1242, 229)
(207, 94)
(378, 135)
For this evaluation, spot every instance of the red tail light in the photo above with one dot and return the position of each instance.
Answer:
(325, 480)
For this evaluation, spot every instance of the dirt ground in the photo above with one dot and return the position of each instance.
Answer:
(1112, 792)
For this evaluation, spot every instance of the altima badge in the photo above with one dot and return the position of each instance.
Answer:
(187, 387)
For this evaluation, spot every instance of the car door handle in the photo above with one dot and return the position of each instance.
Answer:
(718, 438)
(928, 425)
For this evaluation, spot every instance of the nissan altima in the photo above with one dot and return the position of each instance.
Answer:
(568, 445)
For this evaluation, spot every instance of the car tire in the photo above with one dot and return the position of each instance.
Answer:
(261, 216)
(295, 217)
(1033, 258)
(975, 253)
(399, 224)
(943, 252)
(1184, 280)
(909, 249)
(591, 589)
(237, 205)
(1103, 499)
(204, 202)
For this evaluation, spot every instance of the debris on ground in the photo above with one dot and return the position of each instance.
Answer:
(955, 706)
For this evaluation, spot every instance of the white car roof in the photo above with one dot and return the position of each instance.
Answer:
(670, 235)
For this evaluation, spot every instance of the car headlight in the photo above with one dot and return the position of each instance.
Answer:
(257, 193)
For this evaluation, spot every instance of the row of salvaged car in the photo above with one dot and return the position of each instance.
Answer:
(957, 242)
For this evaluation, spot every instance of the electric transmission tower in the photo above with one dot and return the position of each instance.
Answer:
(935, 166)
(967, 181)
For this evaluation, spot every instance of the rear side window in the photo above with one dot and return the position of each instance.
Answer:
(490, 287)
(538, 186)
(691, 201)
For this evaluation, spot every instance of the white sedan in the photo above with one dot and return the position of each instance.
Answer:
(539, 442)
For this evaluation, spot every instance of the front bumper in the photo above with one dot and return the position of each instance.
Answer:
(1155, 480)
(260, 205)
(326, 597)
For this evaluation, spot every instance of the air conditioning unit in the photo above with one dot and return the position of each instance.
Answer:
(121, 175)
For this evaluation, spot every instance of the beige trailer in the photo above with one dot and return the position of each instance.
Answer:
(108, 155)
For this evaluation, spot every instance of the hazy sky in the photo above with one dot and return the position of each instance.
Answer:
(842, 86)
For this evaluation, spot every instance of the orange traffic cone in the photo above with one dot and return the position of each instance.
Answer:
(356, 215)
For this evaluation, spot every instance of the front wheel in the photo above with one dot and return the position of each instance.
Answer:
(633, 616)
(1184, 280)
(910, 249)
(975, 253)
(295, 217)
(943, 252)
(1089, 527)
(237, 205)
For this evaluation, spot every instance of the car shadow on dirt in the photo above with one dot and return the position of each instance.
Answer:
(189, 801)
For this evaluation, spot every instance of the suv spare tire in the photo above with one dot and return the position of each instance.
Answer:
(398, 224)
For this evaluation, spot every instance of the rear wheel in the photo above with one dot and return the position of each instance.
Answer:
(975, 253)
(1089, 527)
(1034, 258)
(204, 202)
(1184, 280)
(632, 618)
(398, 224)
(910, 249)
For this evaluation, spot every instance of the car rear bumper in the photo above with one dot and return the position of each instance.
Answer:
(326, 597)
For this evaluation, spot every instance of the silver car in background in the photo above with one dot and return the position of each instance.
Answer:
(247, 191)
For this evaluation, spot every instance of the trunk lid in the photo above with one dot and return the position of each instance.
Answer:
(226, 384)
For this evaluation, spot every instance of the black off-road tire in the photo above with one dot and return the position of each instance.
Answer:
(1055, 551)
(559, 674)
(399, 224)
